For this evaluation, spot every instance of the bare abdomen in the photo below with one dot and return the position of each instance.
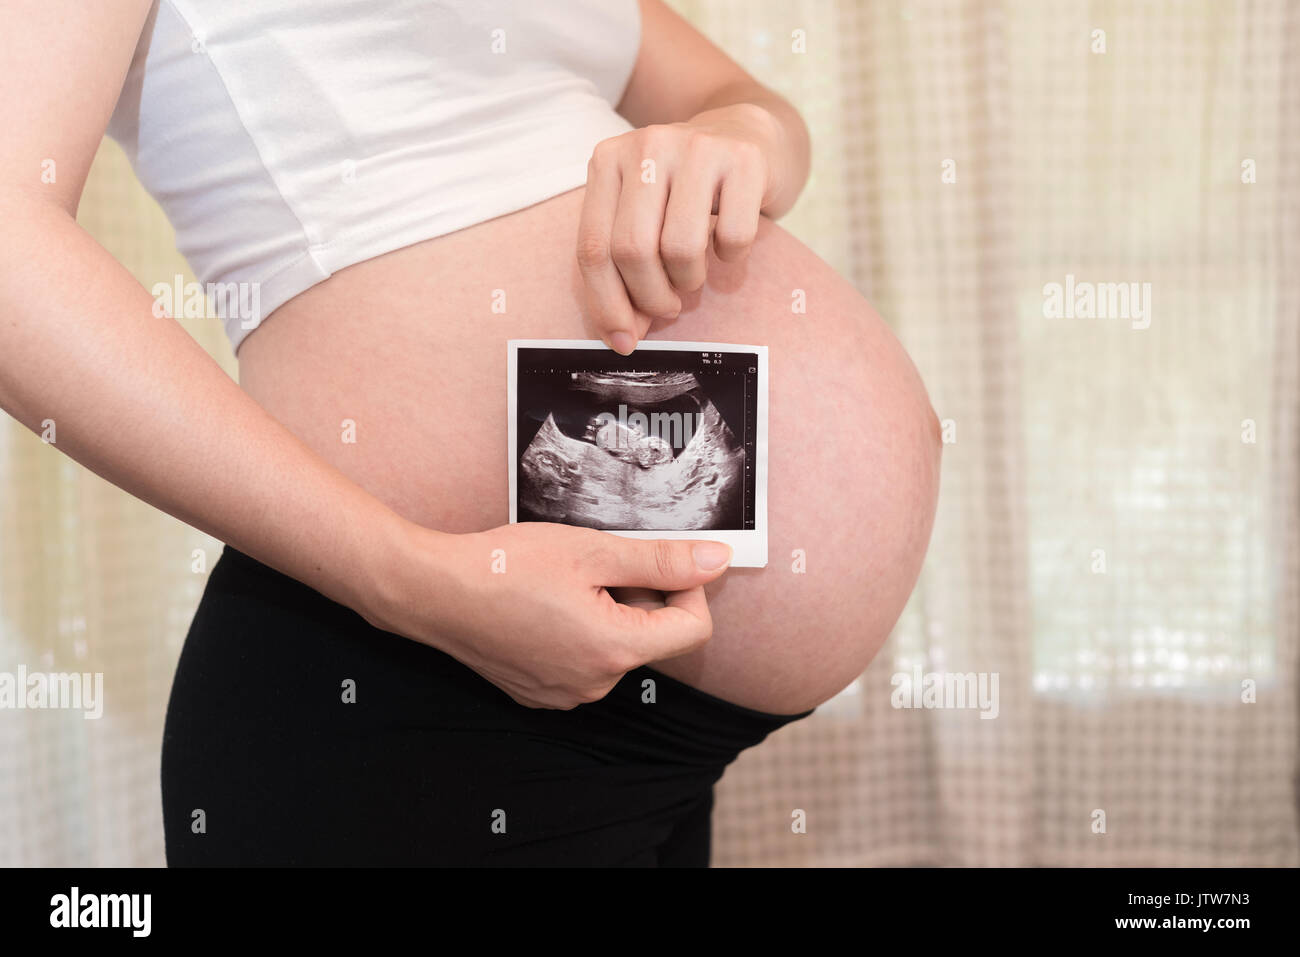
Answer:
(407, 346)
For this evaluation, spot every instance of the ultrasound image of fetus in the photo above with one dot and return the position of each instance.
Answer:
(633, 450)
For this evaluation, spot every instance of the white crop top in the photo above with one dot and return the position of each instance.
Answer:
(286, 139)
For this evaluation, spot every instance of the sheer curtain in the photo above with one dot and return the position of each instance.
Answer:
(1117, 533)
(1117, 536)
(94, 581)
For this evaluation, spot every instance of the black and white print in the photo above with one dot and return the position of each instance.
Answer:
(669, 442)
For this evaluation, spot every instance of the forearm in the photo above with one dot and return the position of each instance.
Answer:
(777, 126)
(136, 400)
(680, 77)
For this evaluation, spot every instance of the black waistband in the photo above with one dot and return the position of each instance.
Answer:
(689, 723)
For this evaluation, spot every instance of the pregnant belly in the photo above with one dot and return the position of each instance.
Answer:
(394, 370)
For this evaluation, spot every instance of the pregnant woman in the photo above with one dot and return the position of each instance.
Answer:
(382, 670)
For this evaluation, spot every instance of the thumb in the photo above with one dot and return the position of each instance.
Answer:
(682, 625)
(664, 564)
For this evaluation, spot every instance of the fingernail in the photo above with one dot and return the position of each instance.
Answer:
(622, 343)
(710, 556)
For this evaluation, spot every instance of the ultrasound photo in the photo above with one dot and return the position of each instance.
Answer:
(669, 442)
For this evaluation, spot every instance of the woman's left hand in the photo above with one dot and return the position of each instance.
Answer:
(648, 215)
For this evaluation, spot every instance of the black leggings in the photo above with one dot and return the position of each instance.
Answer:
(297, 734)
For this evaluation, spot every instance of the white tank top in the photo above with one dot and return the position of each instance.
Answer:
(287, 139)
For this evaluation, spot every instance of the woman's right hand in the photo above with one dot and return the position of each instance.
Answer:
(175, 430)
(527, 606)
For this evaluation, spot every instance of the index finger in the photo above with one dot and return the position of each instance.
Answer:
(681, 626)
(608, 305)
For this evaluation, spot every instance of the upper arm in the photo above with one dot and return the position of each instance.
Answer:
(62, 63)
(677, 69)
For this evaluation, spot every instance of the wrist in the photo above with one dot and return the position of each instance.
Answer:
(763, 127)
(761, 123)
(747, 121)
(409, 579)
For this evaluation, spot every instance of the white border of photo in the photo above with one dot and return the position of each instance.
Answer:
(749, 545)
